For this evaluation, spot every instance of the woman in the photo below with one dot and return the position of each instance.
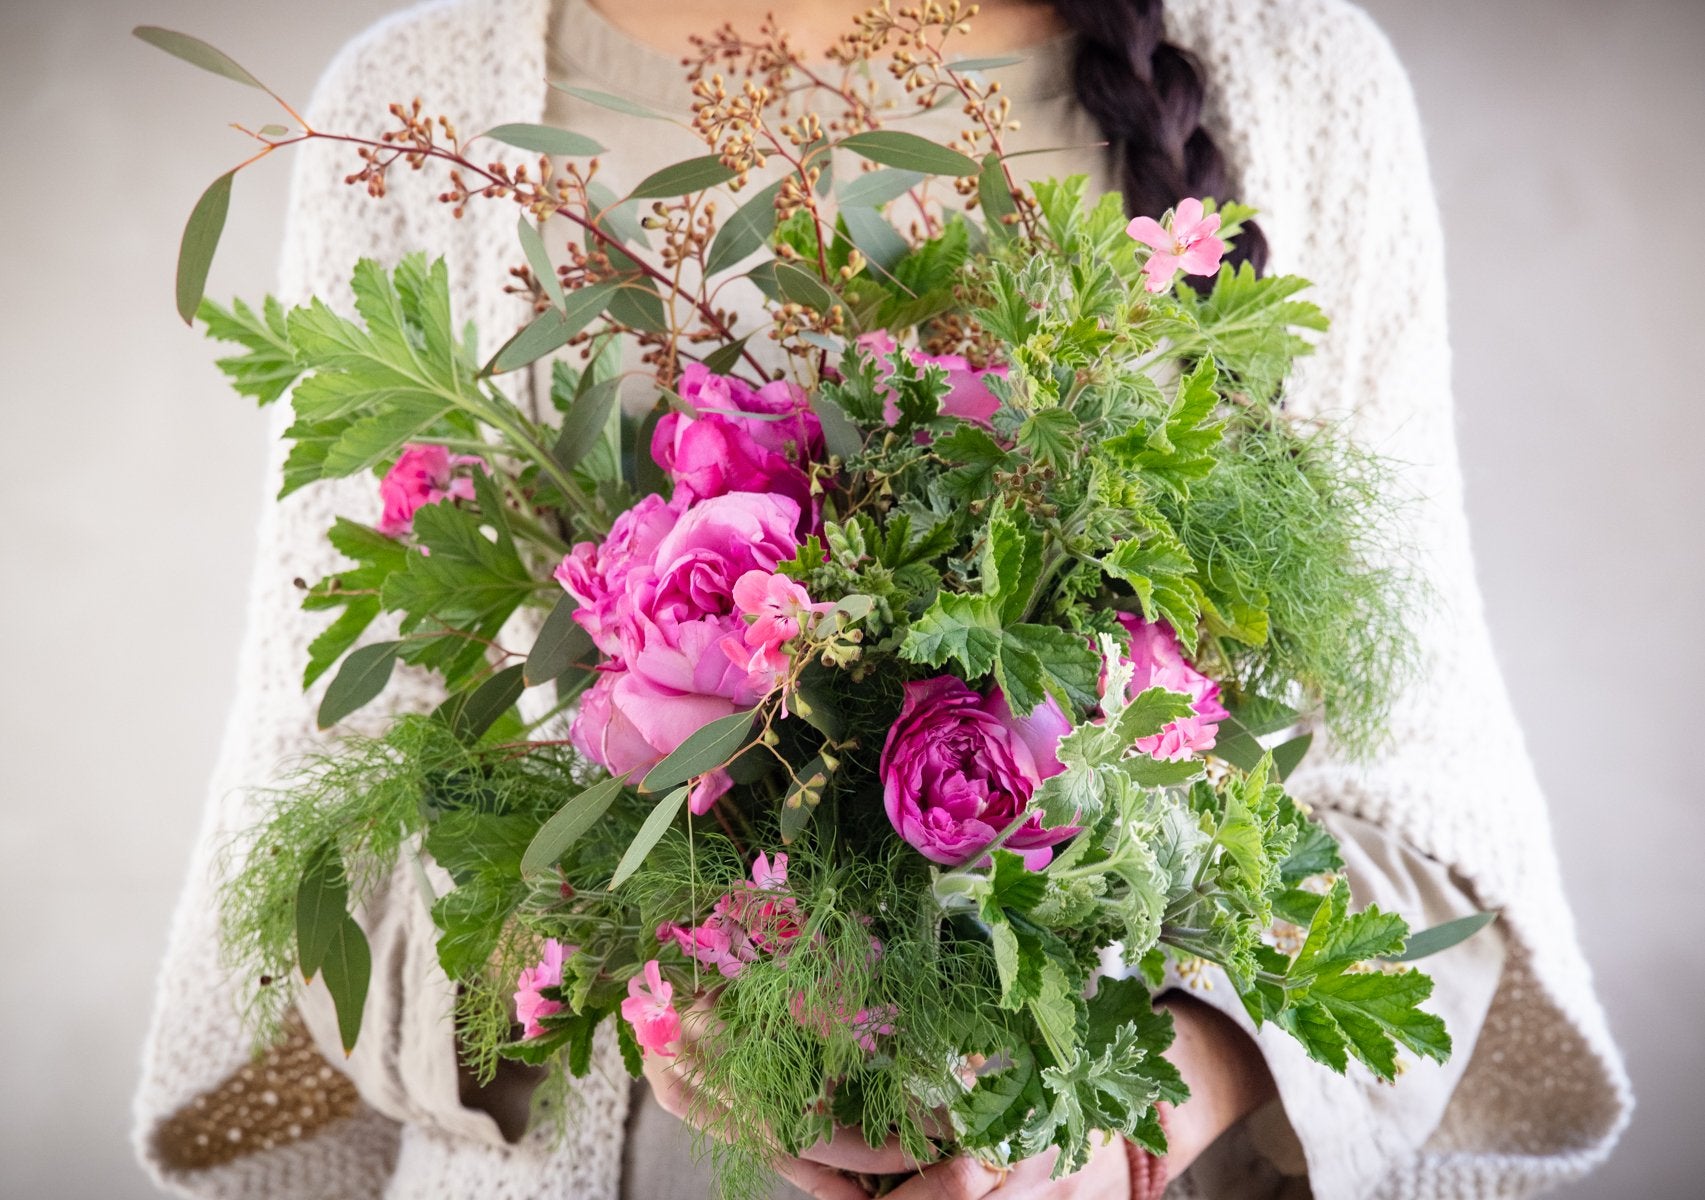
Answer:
(1308, 116)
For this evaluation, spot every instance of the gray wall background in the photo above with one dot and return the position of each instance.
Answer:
(1566, 141)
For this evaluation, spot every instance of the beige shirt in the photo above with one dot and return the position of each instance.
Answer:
(1263, 1157)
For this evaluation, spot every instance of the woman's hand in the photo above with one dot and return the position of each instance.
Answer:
(1227, 1077)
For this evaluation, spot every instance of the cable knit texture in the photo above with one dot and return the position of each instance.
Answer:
(1310, 105)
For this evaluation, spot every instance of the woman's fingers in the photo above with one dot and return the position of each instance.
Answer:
(847, 1150)
(820, 1182)
(956, 1179)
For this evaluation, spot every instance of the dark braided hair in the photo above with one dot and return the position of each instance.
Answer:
(1146, 94)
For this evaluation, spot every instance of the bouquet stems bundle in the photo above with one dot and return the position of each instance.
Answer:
(898, 702)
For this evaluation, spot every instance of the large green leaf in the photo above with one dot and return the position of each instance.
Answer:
(585, 422)
(569, 823)
(706, 749)
(873, 189)
(542, 139)
(194, 50)
(650, 833)
(910, 152)
(363, 675)
(693, 175)
(994, 196)
(875, 238)
(200, 239)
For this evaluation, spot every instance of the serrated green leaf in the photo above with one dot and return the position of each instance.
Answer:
(677, 179)
(963, 628)
(268, 367)
(364, 674)
(569, 823)
(656, 824)
(200, 240)
(908, 151)
(710, 746)
(543, 139)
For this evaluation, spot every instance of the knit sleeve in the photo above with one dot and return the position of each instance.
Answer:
(1325, 126)
(198, 1048)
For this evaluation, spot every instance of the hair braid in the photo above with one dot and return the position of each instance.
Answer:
(1146, 94)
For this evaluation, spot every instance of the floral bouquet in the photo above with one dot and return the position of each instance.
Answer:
(876, 720)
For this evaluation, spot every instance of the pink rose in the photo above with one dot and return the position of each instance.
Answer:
(530, 1006)
(421, 475)
(1160, 662)
(956, 773)
(596, 573)
(968, 397)
(742, 440)
(656, 1025)
(658, 597)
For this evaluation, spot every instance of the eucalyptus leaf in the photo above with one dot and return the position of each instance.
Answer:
(613, 103)
(1286, 755)
(693, 175)
(200, 239)
(803, 797)
(650, 833)
(892, 148)
(561, 643)
(322, 903)
(749, 228)
(875, 238)
(725, 357)
(995, 197)
(543, 334)
(569, 823)
(706, 749)
(873, 189)
(347, 971)
(985, 64)
(363, 675)
(469, 714)
(792, 283)
(539, 259)
(840, 435)
(1442, 937)
(543, 139)
(585, 422)
(197, 52)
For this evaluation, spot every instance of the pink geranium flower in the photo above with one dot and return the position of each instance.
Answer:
(655, 1022)
(778, 609)
(530, 1006)
(421, 475)
(750, 920)
(1189, 245)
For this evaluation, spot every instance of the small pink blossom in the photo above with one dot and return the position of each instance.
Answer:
(755, 918)
(968, 396)
(769, 875)
(1189, 245)
(1159, 662)
(531, 1007)
(421, 475)
(655, 1023)
(778, 609)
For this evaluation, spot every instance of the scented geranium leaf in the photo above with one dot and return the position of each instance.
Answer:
(997, 1106)
(1012, 885)
(1314, 850)
(1076, 795)
(1052, 437)
(1376, 1009)
(1011, 563)
(1178, 449)
(1152, 710)
(269, 366)
(468, 843)
(1107, 1092)
(470, 920)
(1312, 1025)
(980, 455)
(1158, 570)
(1058, 1009)
(1038, 660)
(935, 264)
(965, 629)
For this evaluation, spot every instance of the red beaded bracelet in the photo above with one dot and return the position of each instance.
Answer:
(1148, 1170)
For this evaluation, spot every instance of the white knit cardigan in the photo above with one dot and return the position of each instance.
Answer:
(1310, 105)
